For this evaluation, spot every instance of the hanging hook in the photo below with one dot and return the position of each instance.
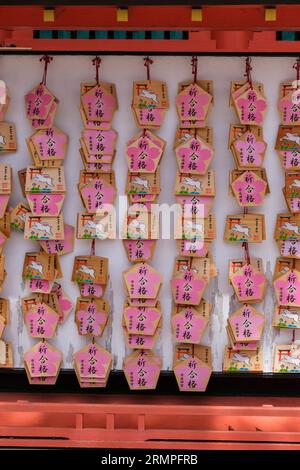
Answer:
(147, 63)
(194, 64)
(248, 69)
(97, 62)
(46, 59)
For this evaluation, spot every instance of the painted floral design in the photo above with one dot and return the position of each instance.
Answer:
(250, 150)
(187, 289)
(290, 111)
(38, 102)
(287, 288)
(193, 105)
(99, 105)
(249, 285)
(92, 361)
(42, 361)
(45, 204)
(188, 327)
(250, 189)
(194, 158)
(144, 156)
(251, 108)
(91, 321)
(41, 321)
(192, 375)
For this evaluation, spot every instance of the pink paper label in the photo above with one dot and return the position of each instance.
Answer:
(143, 283)
(250, 190)
(99, 158)
(288, 289)
(104, 167)
(93, 362)
(40, 285)
(91, 290)
(250, 151)
(91, 321)
(50, 144)
(195, 205)
(150, 116)
(144, 156)
(99, 104)
(41, 321)
(192, 375)
(45, 204)
(97, 193)
(290, 110)
(195, 158)
(249, 285)
(290, 159)
(251, 108)
(60, 246)
(192, 105)
(187, 289)
(38, 103)
(290, 248)
(49, 121)
(188, 326)
(246, 325)
(139, 249)
(141, 341)
(42, 361)
(142, 373)
(141, 320)
(100, 141)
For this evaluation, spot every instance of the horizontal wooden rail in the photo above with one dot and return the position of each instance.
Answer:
(116, 421)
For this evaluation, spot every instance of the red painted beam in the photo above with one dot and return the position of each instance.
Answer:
(231, 17)
(53, 420)
(199, 42)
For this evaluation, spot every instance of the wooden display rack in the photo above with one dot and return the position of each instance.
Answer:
(30, 416)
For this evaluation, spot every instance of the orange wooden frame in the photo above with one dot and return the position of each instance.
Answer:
(46, 420)
(223, 28)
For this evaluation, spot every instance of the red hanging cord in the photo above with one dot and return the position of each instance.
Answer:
(147, 63)
(93, 245)
(46, 59)
(245, 245)
(97, 62)
(248, 69)
(296, 66)
(194, 64)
